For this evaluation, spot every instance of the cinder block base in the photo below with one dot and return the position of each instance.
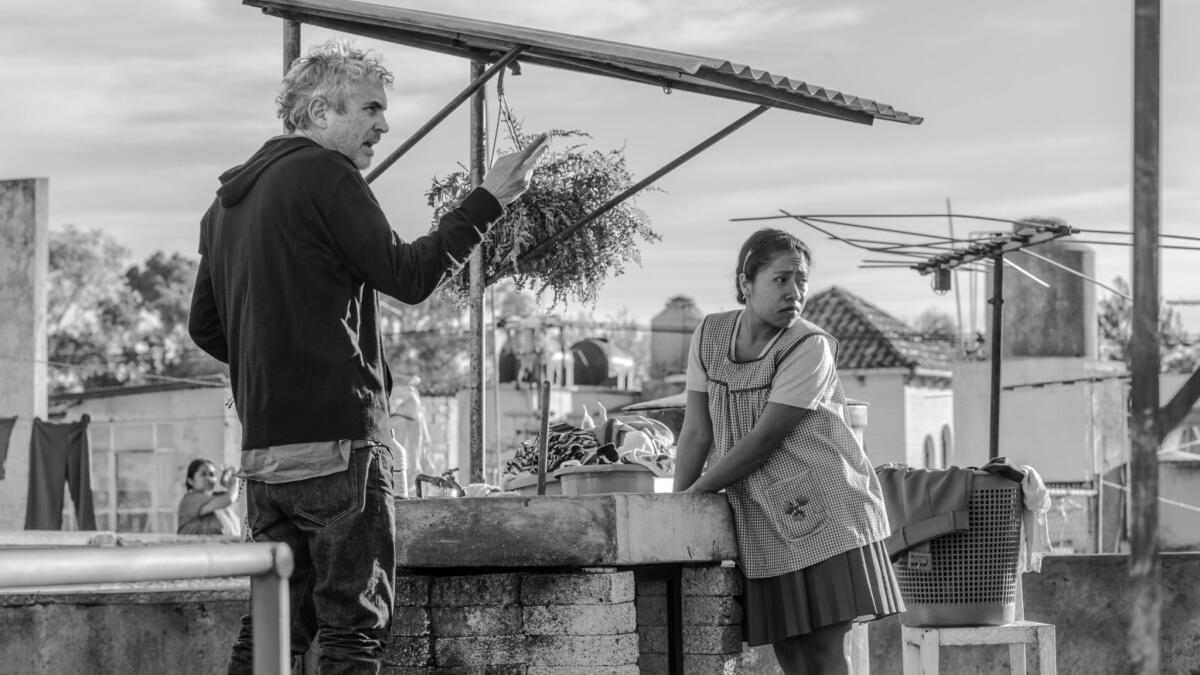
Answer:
(613, 619)
(714, 580)
(409, 651)
(480, 650)
(582, 650)
(583, 670)
(478, 621)
(475, 589)
(577, 589)
(410, 621)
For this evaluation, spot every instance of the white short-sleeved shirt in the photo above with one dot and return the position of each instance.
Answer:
(800, 380)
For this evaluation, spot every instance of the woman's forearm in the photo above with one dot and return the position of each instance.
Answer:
(690, 455)
(739, 462)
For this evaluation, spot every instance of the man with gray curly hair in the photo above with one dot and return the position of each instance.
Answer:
(293, 252)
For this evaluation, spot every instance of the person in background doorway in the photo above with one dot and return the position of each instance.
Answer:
(763, 393)
(294, 251)
(203, 510)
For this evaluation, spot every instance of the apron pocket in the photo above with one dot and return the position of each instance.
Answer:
(792, 508)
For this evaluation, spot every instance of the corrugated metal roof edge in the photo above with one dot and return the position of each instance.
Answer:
(346, 15)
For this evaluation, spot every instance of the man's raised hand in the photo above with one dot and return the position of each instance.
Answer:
(509, 175)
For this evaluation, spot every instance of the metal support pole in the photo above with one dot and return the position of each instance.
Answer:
(544, 247)
(478, 158)
(476, 84)
(291, 43)
(1145, 570)
(997, 335)
(543, 435)
(271, 628)
(291, 46)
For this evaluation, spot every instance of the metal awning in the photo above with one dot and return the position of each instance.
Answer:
(485, 40)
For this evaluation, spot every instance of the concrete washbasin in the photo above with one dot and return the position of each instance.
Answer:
(564, 531)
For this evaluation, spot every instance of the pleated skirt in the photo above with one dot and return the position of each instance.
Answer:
(858, 585)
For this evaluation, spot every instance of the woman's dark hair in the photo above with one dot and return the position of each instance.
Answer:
(761, 248)
(193, 467)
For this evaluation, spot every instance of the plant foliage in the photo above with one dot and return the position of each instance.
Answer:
(568, 184)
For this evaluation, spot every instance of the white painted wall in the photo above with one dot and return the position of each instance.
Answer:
(1062, 430)
(885, 438)
(928, 411)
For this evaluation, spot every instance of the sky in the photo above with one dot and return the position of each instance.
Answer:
(131, 108)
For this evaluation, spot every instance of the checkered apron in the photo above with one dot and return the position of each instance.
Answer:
(816, 495)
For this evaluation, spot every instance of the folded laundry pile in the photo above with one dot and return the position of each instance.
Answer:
(628, 439)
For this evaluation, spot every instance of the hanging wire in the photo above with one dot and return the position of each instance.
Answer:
(1076, 273)
(1127, 244)
(1130, 234)
(1026, 272)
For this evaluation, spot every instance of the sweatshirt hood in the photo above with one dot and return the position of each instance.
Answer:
(237, 182)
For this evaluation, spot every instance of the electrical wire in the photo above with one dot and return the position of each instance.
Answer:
(1076, 273)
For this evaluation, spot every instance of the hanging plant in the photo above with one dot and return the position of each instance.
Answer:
(569, 183)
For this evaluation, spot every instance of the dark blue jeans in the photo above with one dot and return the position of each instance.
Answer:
(342, 531)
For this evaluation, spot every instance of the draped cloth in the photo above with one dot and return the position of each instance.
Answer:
(6, 427)
(58, 454)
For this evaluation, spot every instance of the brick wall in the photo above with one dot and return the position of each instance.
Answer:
(596, 621)
(712, 622)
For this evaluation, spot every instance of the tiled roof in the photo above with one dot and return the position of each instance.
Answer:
(869, 337)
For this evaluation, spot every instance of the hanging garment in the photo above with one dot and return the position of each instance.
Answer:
(6, 427)
(58, 453)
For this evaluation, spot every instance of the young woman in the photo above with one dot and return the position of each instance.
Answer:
(764, 394)
(203, 510)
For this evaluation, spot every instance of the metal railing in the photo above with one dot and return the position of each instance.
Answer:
(269, 565)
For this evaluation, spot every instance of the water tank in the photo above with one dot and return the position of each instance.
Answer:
(671, 334)
(1055, 321)
(599, 362)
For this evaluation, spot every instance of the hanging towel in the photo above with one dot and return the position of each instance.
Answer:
(1035, 532)
(58, 453)
(6, 427)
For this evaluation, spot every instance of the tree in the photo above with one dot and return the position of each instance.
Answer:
(1115, 319)
(110, 325)
(936, 325)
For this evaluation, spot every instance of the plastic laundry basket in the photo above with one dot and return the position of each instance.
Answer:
(971, 577)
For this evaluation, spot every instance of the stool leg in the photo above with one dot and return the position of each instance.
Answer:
(931, 646)
(1016, 658)
(1047, 652)
(910, 640)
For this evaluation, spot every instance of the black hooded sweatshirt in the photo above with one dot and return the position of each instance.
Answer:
(292, 253)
